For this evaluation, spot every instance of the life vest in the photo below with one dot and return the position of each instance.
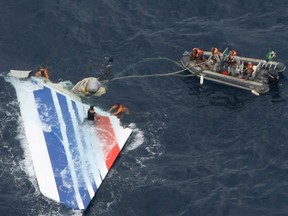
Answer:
(250, 66)
(231, 60)
(43, 73)
(216, 52)
(196, 52)
(249, 69)
(120, 108)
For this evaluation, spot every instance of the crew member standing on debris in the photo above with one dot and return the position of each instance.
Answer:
(92, 115)
(233, 62)
(42, 72)
(214, 61)
(119, 110)
(197, 55)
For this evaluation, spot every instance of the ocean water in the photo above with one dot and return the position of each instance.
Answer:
(196, 149)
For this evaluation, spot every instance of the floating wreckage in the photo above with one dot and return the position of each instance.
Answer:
(71, 157)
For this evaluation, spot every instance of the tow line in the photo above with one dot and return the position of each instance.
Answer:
(175, 73)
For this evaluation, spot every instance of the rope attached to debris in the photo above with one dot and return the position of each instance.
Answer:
(175, 73)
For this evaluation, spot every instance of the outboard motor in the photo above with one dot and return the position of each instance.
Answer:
(273, 77)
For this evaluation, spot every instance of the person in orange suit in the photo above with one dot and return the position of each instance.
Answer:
(197, 54)
(119, 110)
(43, 72)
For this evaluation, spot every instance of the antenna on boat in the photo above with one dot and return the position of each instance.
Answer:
(225, 54)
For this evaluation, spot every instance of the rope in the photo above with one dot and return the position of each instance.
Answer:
(147, 60)
(175, 73)
(148, 75)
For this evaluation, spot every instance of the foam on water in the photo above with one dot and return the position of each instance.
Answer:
(137, 139)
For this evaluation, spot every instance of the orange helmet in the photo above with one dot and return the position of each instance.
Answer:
(214, 50)
(194, 51)
(233, 53)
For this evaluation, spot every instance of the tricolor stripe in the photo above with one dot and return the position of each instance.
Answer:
(108, 140)
(79, 180)
(71, 158)
(57, 153)
(82, 140)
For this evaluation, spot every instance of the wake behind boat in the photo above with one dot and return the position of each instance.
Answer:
(70, 157)
(262, 72)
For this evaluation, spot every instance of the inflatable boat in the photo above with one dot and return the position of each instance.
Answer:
(70, 155)
(265, 73)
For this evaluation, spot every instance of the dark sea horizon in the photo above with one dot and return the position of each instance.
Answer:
(196, 150)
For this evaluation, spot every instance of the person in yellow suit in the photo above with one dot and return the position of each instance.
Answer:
(89, 86)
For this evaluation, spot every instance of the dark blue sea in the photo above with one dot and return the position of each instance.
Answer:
(197, 150)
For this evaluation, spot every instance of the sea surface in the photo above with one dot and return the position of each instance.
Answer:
(196, 150)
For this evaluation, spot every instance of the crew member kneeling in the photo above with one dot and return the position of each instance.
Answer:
(43, 73)
(119, 110)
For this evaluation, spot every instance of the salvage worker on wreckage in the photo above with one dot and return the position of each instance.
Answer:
(88, 86)
(119, 110)
(43, 73)
(92, 115)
